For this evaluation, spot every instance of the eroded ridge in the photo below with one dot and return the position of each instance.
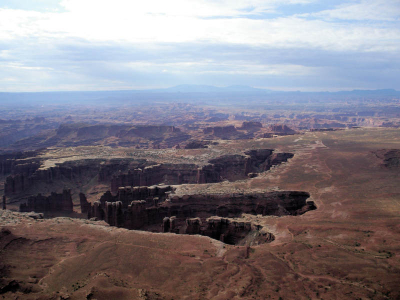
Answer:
(209, 214)
(25, 174)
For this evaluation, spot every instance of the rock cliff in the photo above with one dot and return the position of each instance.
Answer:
(190, 214)
(281, 130)
(228, 167)
(251, 125)
(53, 203)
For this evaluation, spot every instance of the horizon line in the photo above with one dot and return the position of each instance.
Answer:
(267, 89)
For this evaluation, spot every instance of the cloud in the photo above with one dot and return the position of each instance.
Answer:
(177, 8)
(370, 10)
(75, 64)
(122, 44)
(178, 22)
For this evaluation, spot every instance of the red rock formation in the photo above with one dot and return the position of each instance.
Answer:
(107, 197)
(251, 125)
(153, 194)
(10, 163)
(156, 174)
(126, 172)
(267, 135)
(97, 211)
(196, 145)
(136, 215)
(53, 203)
(281, 130)
(234, 232)
(31, 175)
(236, 167)
(193, 226)
(223, 132)
(271, 203)
(166, 225)
(122, 135)
(169, 224)
(141, 213)
(230, 167)
(389, 157)
(114, 214)
(28, 175)
(85, 205)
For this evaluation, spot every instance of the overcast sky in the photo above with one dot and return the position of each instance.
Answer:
(306, 45)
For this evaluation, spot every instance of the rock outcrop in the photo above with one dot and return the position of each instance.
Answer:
(139, 172)
(27, 175)
(53, 203)
(237, 167)
(389, 157)
(16, 162)
(193, 226)
(228, 167)
(156, 174)
(145, 136)
(233, 205)
(169, 225)
(281, 130)
(235, 232)
(24, 180)
(113, 167)
(85, 205)
(113, 213)
(224, 132)
(196, 145)
(151, 195)
(251, 125)
(267, 135)
(190, 214)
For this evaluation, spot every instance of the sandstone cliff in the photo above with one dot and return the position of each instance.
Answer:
(53, 203)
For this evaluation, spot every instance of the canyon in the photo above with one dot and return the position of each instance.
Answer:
(157, 209)
(291, 197)
(27, 174)
(320, 224)
(141, 195)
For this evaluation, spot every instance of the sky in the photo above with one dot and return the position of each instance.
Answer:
(306, 45)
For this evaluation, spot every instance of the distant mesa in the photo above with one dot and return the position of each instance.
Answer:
(78, 134)
(230, 132)
(193, 88)
(281, 130)
(249, 125)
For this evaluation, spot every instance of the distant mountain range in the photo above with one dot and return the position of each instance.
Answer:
(193, 88)
(182, 93)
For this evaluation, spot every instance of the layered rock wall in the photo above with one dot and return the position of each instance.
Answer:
(152, 194)
(24, 180)
(251, 125)
(234, 232)
(139, 213)
(10, 162)
(281, 130)
(228, 167)
(196, 214)
(53, 203)
(156, 174)
(85, 205)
